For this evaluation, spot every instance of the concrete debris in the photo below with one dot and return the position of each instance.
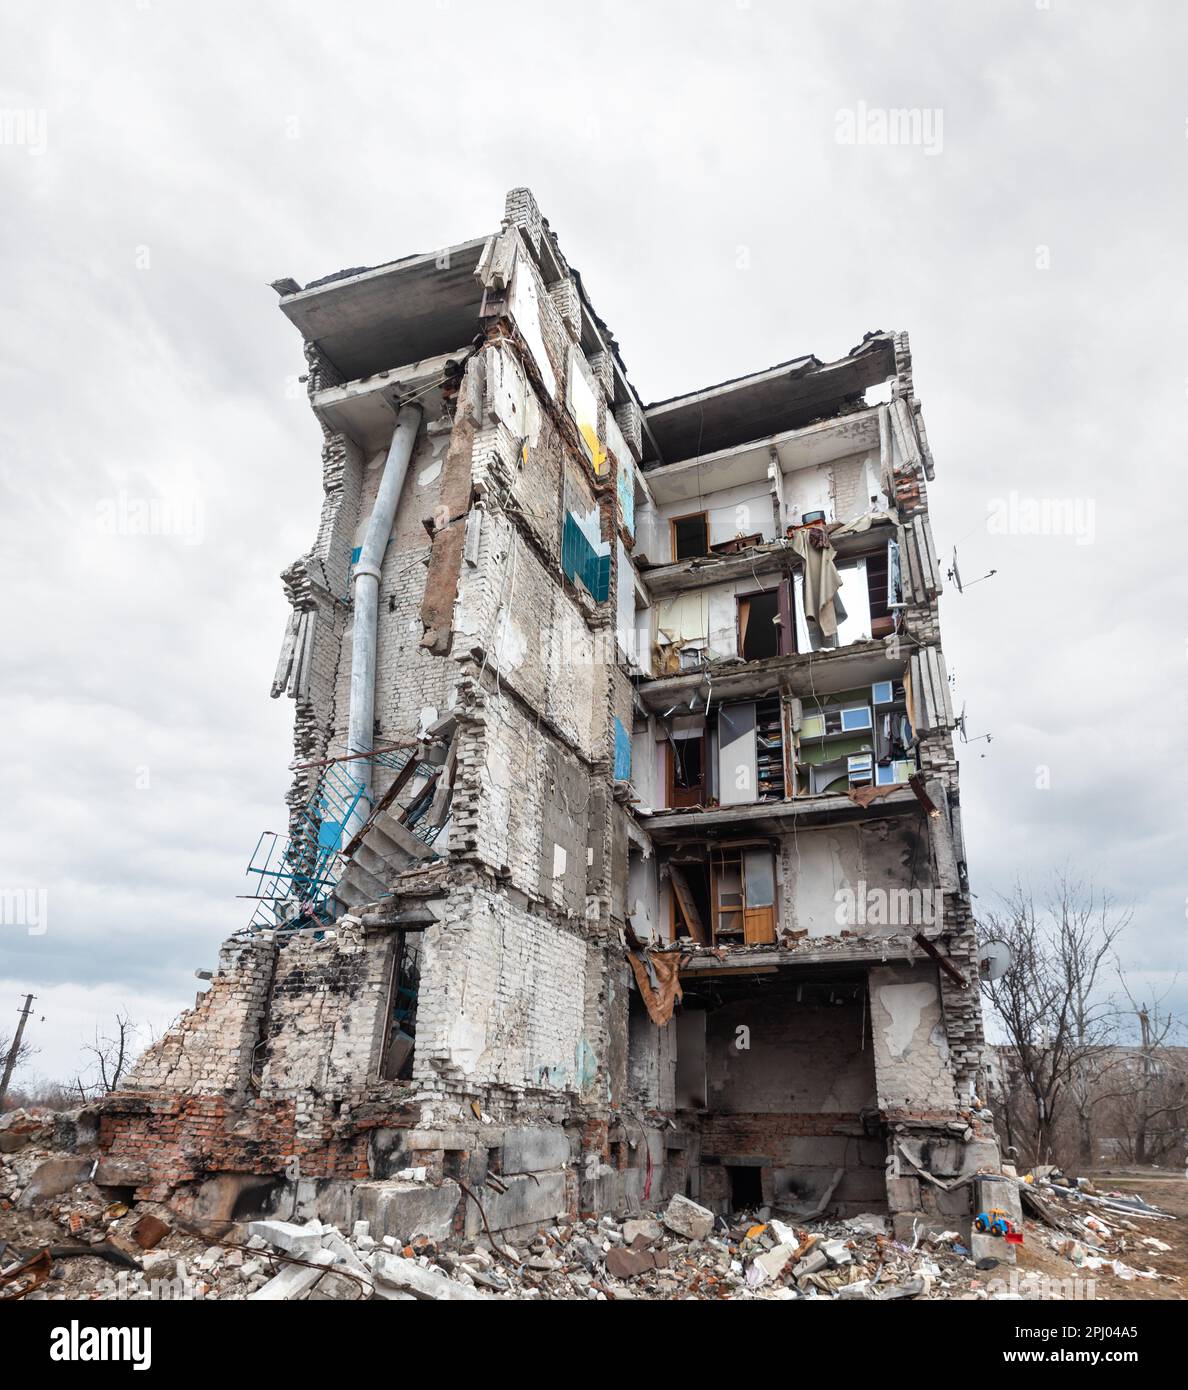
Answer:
(682, 1251)
(868, 1223)
(813, 1262)
(284, 1235)
(770, 1265)
(649, 1229)
(686, 1218)
(55, 1176)
(294, 1281)
(421, 1281)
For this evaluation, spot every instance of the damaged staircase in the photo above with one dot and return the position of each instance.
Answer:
(312, 877)
(385, 847)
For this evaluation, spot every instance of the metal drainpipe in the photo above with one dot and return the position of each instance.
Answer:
(361, 728)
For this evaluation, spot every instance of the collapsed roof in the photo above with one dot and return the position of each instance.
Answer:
(787, 396)
(366, 321)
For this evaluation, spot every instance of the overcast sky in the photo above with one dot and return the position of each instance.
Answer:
(715, 172)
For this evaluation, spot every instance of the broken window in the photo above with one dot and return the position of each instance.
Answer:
(686, 768)
(865, 605)
(723, 893)
(764, 629)
(690, 536)
(689, 878)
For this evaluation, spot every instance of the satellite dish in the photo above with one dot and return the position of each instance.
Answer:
(954, 575)
(994, 959)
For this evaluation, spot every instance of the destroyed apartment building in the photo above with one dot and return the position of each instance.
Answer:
(624, 855)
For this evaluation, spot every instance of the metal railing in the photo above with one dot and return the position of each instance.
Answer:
(295, 875)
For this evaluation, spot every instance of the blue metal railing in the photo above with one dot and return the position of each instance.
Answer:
(296, 875)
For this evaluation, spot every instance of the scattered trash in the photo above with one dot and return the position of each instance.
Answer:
(1079, 1235)
(149, 1231)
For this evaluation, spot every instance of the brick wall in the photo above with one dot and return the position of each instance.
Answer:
(789, 1058)
(502, 1000)
(513, 611)
(326, 1019)
(210, 1050)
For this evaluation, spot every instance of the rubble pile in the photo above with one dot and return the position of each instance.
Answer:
(1095, 1230)
(120, 1252)
(72, 1229)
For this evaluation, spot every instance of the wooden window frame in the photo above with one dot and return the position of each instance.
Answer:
(672, 541)
(758, 924)
(787, 628)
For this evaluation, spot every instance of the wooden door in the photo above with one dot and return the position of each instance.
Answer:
(687, 789)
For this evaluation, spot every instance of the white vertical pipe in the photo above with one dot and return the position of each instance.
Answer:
(361, 727)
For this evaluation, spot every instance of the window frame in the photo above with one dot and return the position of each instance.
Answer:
(672, 535)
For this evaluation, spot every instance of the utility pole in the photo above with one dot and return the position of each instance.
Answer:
(1140, 1138)
(14, 1050)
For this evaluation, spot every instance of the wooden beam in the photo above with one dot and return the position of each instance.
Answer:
(680, 886)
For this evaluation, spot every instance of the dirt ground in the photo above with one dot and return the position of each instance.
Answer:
(1167, 1190)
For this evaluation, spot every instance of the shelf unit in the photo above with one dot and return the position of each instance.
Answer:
(769, 750)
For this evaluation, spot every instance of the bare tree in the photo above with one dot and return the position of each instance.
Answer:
(111, 1056)
(1147, 1092)
(39, 1092)
(12, 1060)
(1057, 1018)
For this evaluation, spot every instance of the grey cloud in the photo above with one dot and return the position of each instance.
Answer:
(686, 156)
